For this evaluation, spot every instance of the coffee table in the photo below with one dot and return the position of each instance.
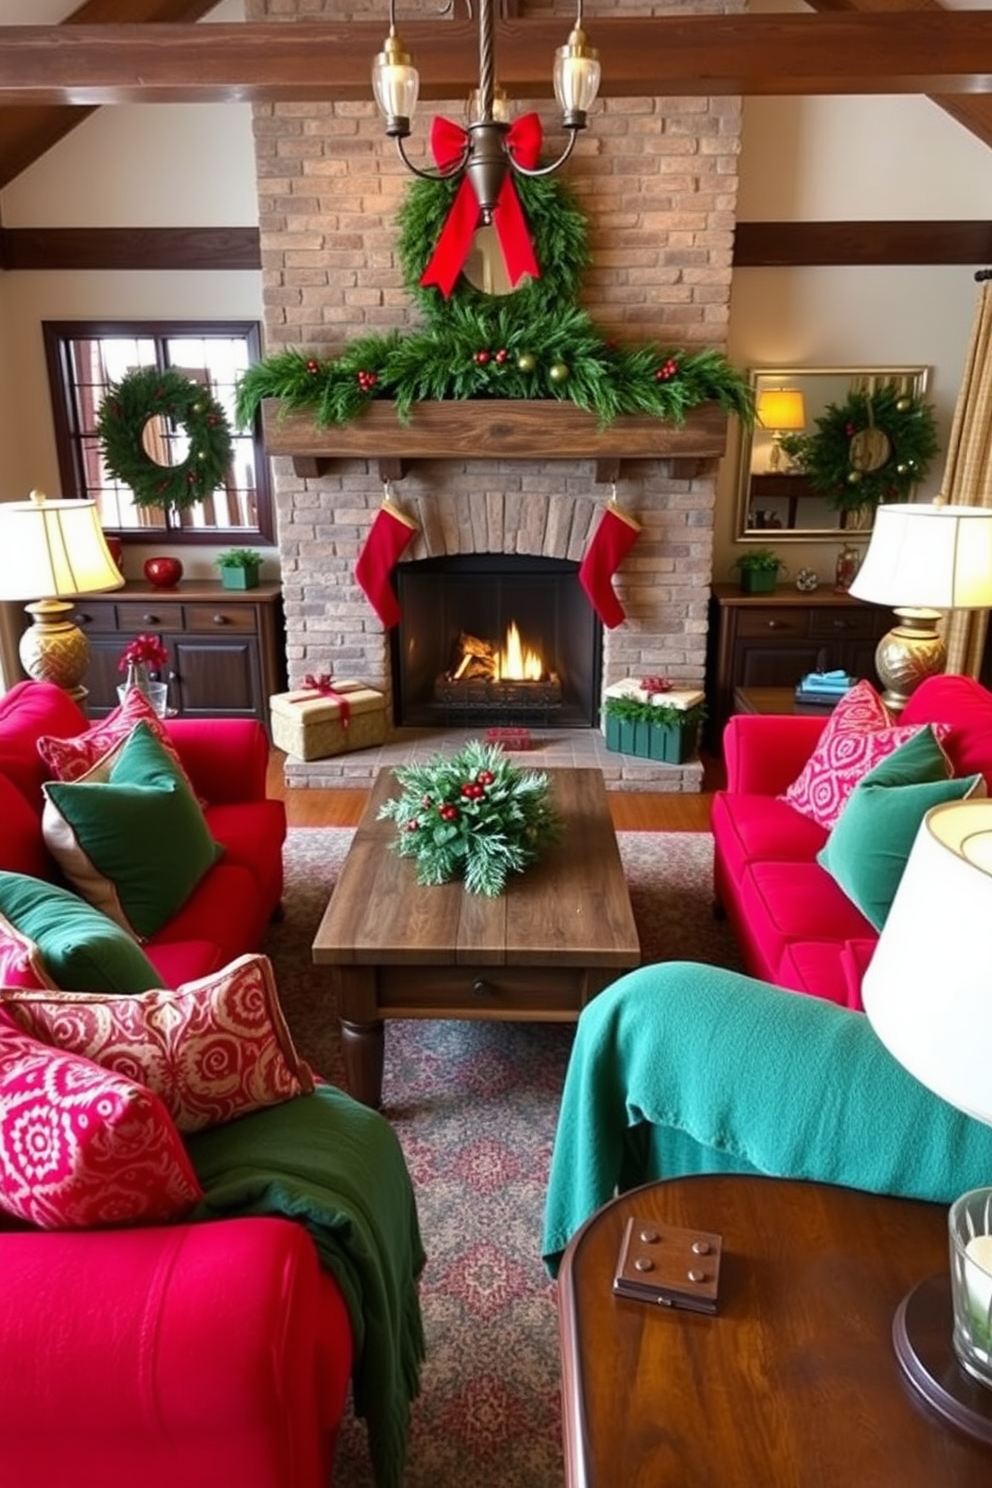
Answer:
(562, 931)
(794, 1382)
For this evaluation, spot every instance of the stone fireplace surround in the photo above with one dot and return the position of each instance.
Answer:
(658, 180)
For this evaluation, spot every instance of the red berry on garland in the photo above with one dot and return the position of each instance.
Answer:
(481, 357)
(413, 825)
(850, 429)
(313, 366)
(468, 790)
(502, 355)
(485, 777)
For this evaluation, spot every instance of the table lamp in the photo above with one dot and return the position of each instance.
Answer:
(928, 995)
(781, 411)
(56, 549)
(923, 558)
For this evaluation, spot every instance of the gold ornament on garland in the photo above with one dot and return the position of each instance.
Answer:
(149, 393)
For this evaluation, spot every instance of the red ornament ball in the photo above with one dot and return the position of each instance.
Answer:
(164, 573)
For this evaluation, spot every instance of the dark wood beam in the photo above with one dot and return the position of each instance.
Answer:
(974, 110)
(765, 245)
(949, 52)
(26, 133)
(127, 248)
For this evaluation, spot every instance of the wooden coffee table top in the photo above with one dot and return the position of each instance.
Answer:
(794, 1382)
(571, 908)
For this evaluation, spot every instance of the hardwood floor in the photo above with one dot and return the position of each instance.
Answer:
(631, 810)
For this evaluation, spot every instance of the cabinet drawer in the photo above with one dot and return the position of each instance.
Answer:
(855, 625)
(94, 617)
(221, 617)
(777, 622)
(149, 615)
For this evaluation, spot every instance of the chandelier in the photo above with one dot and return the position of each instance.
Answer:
(487, 153)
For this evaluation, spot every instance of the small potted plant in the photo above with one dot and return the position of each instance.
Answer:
(759, 570)
(239, 568)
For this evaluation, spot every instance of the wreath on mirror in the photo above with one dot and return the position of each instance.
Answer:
(148, 393)
(875, 447)
(532, 343)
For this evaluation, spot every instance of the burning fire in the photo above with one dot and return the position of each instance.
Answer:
(515, 664)
(481, 660)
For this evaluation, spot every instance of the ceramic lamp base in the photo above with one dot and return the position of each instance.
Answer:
(54, 649)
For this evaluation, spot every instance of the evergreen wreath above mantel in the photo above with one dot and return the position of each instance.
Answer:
(535, 343)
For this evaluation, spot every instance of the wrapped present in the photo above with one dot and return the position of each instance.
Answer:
(325, 717)
(655, 690)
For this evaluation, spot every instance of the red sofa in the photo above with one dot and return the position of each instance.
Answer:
(194, 1354)
(794, 925)
(226, 761)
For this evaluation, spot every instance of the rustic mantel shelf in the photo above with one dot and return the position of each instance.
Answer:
(492, 429)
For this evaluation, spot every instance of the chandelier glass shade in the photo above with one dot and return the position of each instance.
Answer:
(487, 155)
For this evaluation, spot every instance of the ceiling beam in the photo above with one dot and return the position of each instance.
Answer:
(945, 52)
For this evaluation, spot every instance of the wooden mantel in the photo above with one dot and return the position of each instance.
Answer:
(493, 429)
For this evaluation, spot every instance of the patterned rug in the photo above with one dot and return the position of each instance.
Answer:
(475, 1105)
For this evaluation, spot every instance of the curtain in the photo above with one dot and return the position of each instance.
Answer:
(968, 472)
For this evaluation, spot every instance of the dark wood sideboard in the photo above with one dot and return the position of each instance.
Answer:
(226, 647)
(773, 640)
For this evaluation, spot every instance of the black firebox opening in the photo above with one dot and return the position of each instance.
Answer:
(454, 649)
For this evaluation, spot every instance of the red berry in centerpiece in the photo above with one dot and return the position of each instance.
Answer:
(413, 826)
(449, 813)
(485, 777)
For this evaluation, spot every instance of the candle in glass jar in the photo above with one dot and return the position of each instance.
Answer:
(978, 1280)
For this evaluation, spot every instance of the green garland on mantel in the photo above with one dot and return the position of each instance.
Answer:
(534, 343)
(872, 448)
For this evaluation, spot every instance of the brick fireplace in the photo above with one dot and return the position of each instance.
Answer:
(657, 179)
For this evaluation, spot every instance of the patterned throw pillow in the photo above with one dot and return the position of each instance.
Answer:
(136, 845)
(82, 1147)
(70, 759)
(857, 736)
(213, 1049)
(21, 963)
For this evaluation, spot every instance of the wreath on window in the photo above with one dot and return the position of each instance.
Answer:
(120, 425)
(532, 343)
(873, 448)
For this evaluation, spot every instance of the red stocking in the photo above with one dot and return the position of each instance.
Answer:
(608, 547)
(390, 533)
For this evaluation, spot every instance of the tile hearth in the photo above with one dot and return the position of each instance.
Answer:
(550, 749)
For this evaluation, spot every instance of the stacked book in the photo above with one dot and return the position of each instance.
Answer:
(824, 687)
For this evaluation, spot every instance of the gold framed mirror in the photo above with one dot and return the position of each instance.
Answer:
(775, 497)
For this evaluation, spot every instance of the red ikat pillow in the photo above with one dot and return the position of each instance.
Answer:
(857, 736)
(214, 1049)
(94, 752)
(81, 1147)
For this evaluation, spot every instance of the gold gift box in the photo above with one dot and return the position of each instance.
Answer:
(309, 725)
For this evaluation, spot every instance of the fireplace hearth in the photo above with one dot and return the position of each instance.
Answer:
(495, 639)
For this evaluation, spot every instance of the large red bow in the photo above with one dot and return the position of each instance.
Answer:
(448, 141)
(319, 685)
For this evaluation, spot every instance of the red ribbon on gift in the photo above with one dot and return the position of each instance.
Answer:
(318, 684)
(656, 684)
(448, 142)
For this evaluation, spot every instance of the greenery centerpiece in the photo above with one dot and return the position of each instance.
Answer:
(473, 815)
(874, 447)
(536, 343)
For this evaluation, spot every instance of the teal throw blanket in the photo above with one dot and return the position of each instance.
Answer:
(683, 1068)
(337, 1168)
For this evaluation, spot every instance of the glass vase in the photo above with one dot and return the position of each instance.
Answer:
(157, 693)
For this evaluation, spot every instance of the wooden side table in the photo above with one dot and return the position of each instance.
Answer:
(794, 1383)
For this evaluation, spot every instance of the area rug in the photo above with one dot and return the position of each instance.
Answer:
(475, 1106)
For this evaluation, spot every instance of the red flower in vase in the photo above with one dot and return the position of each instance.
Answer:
(143, 651)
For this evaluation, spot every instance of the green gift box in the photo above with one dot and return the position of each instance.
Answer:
(669, 743)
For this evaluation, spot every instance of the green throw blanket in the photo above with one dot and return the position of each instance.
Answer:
(337, 1168)
(682, 1068)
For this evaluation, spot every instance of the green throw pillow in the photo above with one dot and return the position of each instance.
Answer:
(135, 845)
(82, 950)
(868, 847)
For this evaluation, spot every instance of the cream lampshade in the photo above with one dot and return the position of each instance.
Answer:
(928, 994)
(55, 549)
(923, 558)
(782, 411)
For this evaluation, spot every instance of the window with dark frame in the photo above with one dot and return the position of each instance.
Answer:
(85, 357)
